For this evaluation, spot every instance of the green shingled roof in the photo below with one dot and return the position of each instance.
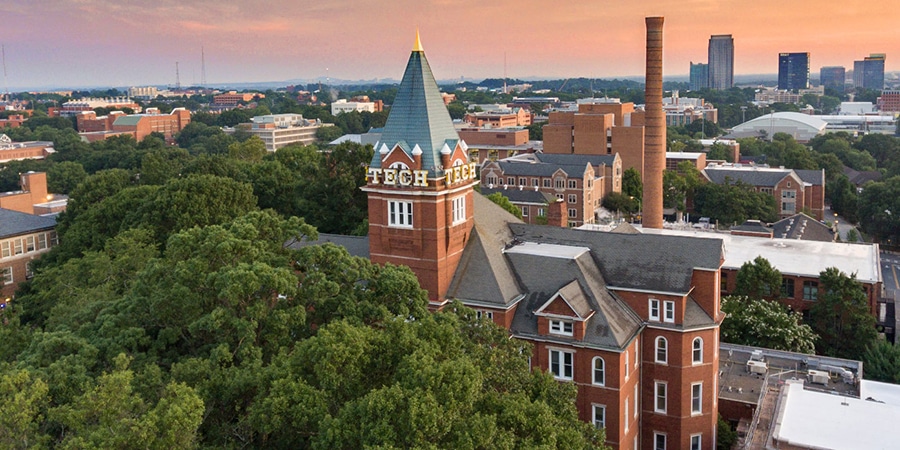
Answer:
(419, 117)
(129, 120)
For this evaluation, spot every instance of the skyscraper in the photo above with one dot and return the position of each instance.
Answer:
(869, 73)
(793, 71)
(699, 76)
(721, 61)
(833, 77)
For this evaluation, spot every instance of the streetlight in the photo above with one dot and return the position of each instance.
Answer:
(743, 116)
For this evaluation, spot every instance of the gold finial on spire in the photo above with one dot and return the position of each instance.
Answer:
(418, 46)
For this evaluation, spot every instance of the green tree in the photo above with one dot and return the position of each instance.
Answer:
(23, 401)
(734, 202)
(758, 279)
(619, 202)
(631, 183)
(878, 208)
(251, 150)
(720, 152)
(327, 134)
(841, 316)
(503, 202)
(882, 362)
(765, 323)
(63, 177)
(457, 110)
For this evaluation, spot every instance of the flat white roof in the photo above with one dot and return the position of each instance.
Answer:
(683, 155)
(548, 250)
(794, 256)
(820, 420)
(880, 392)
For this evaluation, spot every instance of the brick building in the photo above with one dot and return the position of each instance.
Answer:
(495, 144)
(23, 238)
(280, 130)
(14, 151)
(579, 180)
(139, 126)
(233, 98)
(631, 319)
(599, 127)
(889, 101)
(516, 117)
(33, 197)
(794, 190)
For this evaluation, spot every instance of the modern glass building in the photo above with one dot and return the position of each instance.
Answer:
(833, 77)
(699, 76)
(793, 71)
(869, 73)
(721, 61)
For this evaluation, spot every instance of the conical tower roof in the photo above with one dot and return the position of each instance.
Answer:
(418, 116)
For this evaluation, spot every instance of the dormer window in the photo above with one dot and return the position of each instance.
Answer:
(561, 327)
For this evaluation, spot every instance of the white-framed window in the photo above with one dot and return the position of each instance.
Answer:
(654, 309)
(54, 238)
(42, 241)
(659, 393)
(6, 275)
(17, 246)
(627, 366)
(625, 416)
(599, 416)
(573, 184)
(561, 364)
(659, 441)
(563, 327)
(542, 212)
(695, 442)
(573, 212)
(523, 181)
(636, 401)
(669, 309)
(697, 351)
(573, 198)
(524, 211)
(697, 398)
(458, 208)
(29, 272)
(662, 350)
(511, 181)
(535, 182)
(559, 183)
(599, 377)
(546, 182)
(5, 251)
(489, 314)
(29, 244)
(400, 214)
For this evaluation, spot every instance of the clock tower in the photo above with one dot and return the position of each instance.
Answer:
(419, 184)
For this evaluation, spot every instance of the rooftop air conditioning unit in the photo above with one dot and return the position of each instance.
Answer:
(757, 367)
(818, 377)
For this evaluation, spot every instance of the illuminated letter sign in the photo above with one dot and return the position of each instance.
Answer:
(394, 177)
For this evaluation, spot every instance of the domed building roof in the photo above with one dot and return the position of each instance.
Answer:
(802, 127)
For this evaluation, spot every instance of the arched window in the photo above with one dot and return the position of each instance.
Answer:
(599, 371)
(697, 350)
(662, 353)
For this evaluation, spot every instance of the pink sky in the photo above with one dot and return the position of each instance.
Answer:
(122, 43)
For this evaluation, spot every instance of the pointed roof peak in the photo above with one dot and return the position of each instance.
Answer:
(417, 47)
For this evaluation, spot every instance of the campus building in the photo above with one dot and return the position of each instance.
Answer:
(631, 319)
(233, 98)
(794, 190)
(515, 117)
(279, 130)
(73, 107)
(94, 128)
(14, 151)
(23, 238)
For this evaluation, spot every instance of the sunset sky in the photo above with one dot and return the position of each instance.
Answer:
(74, 43)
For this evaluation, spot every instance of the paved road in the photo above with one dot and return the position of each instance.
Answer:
(843, 225)
(890, 269)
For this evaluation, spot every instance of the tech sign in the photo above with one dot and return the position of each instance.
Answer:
(419, 178)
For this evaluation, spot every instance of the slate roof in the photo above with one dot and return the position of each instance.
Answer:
(753, 177)
(801, 226)
(15, 223)
(575, 160)
(813, 177)
(635, 261)
(613, 323)
(752, 226)
(539, 169)
(859, 178)
(418, 117)
(516, 195)
(545, 165)
(355, 245)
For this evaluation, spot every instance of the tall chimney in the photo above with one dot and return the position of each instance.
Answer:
(654, 127)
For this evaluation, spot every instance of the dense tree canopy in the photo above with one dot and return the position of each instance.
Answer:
(765, 323)
(841, 316)
(758, 279)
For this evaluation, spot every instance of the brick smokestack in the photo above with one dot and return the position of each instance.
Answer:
(654, 127)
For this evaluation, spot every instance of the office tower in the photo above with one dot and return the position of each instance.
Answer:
(699, 76)
(833, 77)
(654, 127)
(721, 61)
(869, 73)
(793, 71)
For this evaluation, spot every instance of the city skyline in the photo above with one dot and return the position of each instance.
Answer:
(91, 43)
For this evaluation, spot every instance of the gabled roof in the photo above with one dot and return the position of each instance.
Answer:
(766, 177)
(524, 195)
(355, 245)
(814, 177)
(575, 160)
(418, 116)
(801, 226)
(573, 298)
(15, 223)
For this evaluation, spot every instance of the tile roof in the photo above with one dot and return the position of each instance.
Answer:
(15, 223)
(814, 177)
(516, 195)
(419, 117)
(767, 177)
(801, 226)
